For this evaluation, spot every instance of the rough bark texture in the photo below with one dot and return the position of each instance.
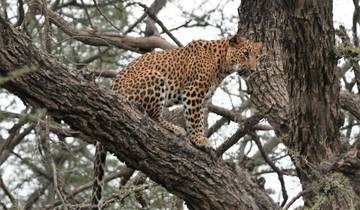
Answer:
(313, 87)
(261, 21)
(296, 81)
(193, 174)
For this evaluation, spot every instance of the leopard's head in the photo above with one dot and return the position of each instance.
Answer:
(241, 55)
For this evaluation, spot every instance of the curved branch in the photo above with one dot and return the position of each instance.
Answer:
(273, 166)
(97, 38)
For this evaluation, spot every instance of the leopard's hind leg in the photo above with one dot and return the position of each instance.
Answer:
(150, 92)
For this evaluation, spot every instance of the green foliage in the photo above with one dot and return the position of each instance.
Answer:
(332, 184)
(17, 73)
(349, 52)
(32, 117)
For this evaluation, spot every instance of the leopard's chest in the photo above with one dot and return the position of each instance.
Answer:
(173, 96)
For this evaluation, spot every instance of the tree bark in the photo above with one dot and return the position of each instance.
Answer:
(313, 87)
(194, 174)
(296, 81)
(261, 21)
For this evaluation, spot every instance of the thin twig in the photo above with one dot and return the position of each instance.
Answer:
(56, 187)
(135, 24)
(288, 172)
(12, 141)
(36, 170)
(21, 15)
(35, 196)
(273, 166)
(47, 35)
(160, 23)
(105, 17)
(87, 14)
(120, 173)
(296, 197)
(44, 140)
(8, 193)
(115, 197)
(92, 58)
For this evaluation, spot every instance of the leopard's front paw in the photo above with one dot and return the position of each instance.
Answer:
(202, 143)
(179, 131)
(200, 140)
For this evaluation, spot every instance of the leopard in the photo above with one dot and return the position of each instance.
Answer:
(185, 76)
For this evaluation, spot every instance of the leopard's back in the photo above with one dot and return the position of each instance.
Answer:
(154, 80)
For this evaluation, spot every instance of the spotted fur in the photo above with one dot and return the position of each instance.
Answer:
(98, 183)
(188, 76)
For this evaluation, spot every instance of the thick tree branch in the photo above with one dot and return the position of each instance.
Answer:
(195, 175)
(349, 165)
(350, 103)
(248, 125)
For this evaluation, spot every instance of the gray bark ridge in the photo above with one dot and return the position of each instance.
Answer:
(195, 175)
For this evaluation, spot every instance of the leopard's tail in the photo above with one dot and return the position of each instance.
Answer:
(99, 167)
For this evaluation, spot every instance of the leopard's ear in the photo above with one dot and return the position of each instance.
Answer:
(237, 41)
(257, 46)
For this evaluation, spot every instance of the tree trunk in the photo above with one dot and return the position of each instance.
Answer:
(195, 175)
(296, 82)
(313, 87)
